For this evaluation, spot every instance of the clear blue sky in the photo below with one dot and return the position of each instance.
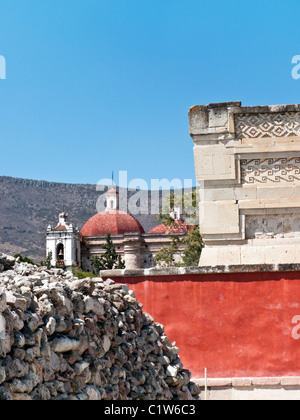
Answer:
(97, 85)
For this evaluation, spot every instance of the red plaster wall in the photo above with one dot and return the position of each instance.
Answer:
(235, 325)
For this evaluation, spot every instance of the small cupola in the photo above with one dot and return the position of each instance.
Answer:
(112, 200)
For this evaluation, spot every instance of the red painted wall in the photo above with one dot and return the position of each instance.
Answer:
(235, 325)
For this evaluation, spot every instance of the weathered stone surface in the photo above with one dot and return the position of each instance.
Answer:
(2, 374)
(15, 300)
(24, 385)
(2, 300)
(67, 339)
(93, 305)
(62, 344)
(7, 262)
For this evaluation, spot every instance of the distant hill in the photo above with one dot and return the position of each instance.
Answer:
(27, 207)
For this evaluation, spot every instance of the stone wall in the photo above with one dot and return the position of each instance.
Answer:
(247, 163)
(70, 339)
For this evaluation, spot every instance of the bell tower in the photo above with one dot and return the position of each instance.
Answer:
(64, 243)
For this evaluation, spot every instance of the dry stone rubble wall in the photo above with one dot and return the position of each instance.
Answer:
(70, 339)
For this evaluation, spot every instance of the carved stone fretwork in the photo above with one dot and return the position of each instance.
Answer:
(267, 125)
(273, 226)
(270, 170)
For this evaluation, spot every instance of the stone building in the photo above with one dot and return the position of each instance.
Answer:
(137, 248)
(247, 163)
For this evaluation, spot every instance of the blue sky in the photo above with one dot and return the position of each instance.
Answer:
(99, 85)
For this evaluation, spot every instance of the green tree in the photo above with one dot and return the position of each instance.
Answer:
(192, 241)
(48, 260)
(110, 259)
(24, 259)
(78, 272)
(194, 245)
(165, 257)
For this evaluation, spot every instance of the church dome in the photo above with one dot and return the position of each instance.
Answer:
(115, 222)
(182, 228)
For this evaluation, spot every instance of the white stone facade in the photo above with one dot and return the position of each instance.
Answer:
(247, 163)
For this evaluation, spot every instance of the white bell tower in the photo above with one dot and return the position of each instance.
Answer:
(64, 243)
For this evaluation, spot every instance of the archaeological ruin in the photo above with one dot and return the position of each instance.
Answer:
(62, 338)
(247, 163)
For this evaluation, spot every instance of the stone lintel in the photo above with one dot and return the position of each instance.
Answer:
(183, 271)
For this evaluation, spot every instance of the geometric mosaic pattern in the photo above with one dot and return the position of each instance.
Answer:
(270, 170)
(267, 125)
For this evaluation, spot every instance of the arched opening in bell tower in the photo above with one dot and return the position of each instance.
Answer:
(60, 254)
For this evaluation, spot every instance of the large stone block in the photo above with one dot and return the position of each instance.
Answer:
(219, 218)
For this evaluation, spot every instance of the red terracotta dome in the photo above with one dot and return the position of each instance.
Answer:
(115, 222)
(182, 228)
